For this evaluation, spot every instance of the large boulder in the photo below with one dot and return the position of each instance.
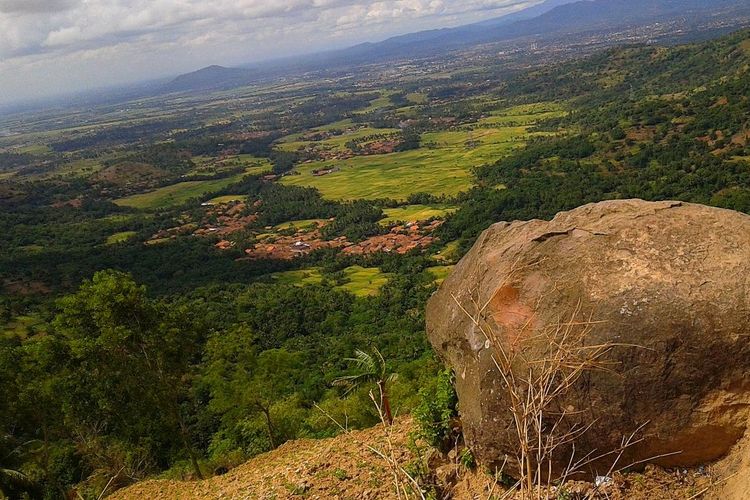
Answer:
(666, 284)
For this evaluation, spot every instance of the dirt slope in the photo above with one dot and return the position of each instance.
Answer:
(345, 467)
(342, 467)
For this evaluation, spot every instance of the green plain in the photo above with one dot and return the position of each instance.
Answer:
(414, 213)
(179, 193)
(360, 281)
(444, 168)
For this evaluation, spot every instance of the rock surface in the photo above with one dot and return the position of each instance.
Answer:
(671, 278)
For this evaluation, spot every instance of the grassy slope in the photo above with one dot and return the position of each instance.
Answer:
(360, 464)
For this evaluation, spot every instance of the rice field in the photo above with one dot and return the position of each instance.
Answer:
(414, 213)
(441, 167)
(359, 281)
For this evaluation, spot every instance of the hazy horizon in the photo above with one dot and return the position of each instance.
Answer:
(50, 48)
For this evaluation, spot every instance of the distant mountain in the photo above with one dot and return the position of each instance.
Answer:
(431, 39)
(548, 19)
(210, 78)
(592, 14)
(522, 15)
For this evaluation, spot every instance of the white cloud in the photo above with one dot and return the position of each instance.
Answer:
(52, 46)
(35, 6)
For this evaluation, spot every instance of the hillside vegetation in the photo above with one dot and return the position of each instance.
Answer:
(178, 323)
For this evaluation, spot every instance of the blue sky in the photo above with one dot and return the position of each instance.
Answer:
(52, 47)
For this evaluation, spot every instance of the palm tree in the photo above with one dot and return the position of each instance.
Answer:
(14, 483)
(370, 369)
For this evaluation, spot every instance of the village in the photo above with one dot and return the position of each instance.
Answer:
(224, 222)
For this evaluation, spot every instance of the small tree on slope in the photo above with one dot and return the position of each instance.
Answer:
(370, 369)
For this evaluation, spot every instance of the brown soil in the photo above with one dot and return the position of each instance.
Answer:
(641, 133)
(345, 467)
(337, 468)
(229, 220)
(25, 287)
(734, 468)
(401, 239)
(130, 174)
(741, 138)
(379, 148)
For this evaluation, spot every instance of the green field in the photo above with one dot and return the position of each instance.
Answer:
(394, 176)
(381, 102)
(336, 143)
(449, 253)
(298, 224)
(206, 165)
(177, 194)
(22, 326)
(120, 237)
(441, 168)
(75, 168)
(360, 281)
(416, 98)
(440, 273)
(301, 277)
(34, 149)
(413, 213)
(226, 199)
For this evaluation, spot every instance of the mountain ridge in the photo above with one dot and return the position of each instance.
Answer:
(213, 77)
(549, 19)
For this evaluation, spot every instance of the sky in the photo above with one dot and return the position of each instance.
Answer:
(57, 47)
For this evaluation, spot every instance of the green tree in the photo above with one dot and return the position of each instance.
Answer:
(370, 370)
(15, 485)
(128, 364)
(244, 383)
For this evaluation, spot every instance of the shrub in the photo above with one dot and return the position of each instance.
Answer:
(436, 413)
(467, 458)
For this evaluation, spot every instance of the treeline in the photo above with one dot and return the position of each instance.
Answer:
(124, 385)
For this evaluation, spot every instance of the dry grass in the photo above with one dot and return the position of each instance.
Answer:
(344, 467)
(538, 368)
